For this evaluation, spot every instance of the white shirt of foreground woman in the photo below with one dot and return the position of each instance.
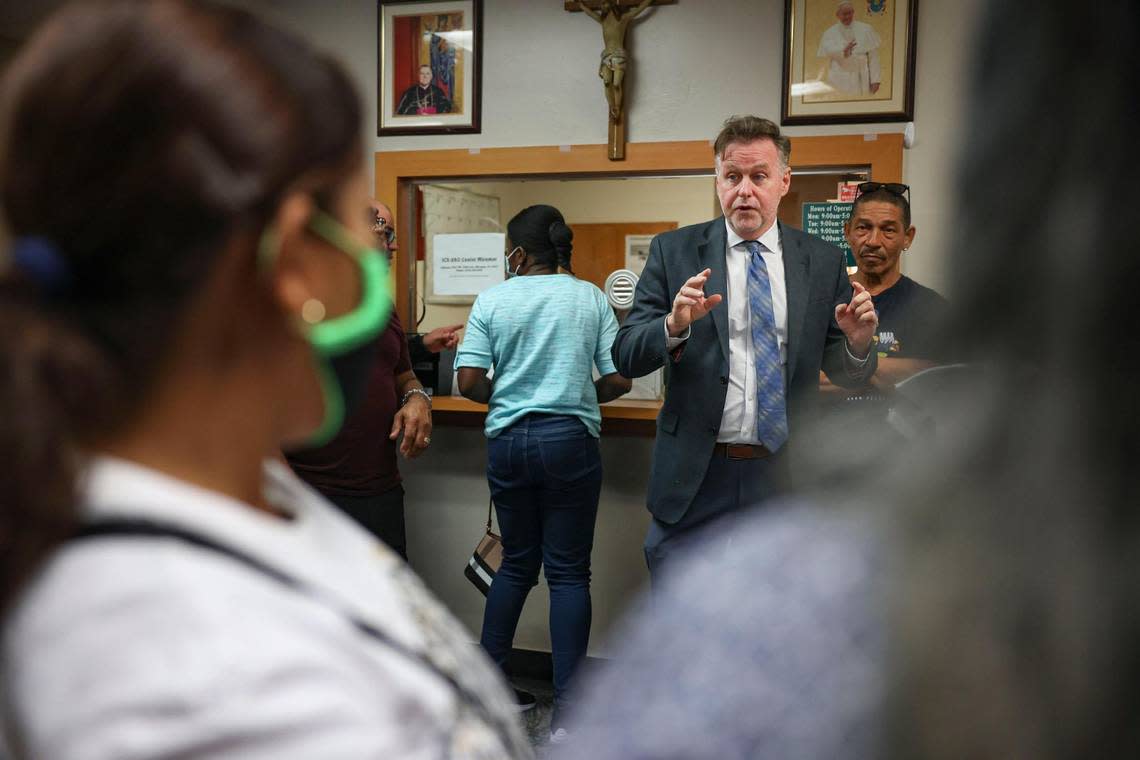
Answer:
(152, 646)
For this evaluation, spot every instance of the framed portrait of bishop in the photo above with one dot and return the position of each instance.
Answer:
(430, 60)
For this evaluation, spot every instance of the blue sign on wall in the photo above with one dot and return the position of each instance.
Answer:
(826, 220)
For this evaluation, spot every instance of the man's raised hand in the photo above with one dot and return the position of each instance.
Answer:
(691, 304)
(858, 320)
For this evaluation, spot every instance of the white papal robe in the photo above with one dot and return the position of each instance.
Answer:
(853, 74)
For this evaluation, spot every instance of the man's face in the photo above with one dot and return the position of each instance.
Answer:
(750, 181)
(383, 223)
(425, 76)
(845, 14)
(877, 237)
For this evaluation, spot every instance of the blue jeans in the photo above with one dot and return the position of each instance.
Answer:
(545, 473)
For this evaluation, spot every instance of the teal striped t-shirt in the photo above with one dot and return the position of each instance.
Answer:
(543, 334)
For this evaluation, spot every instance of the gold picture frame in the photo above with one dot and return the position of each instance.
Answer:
(848, 62)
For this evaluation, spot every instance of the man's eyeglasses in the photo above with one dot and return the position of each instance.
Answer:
(381, 227)
(894, 188)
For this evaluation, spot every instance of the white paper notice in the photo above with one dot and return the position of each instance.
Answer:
(467, 264)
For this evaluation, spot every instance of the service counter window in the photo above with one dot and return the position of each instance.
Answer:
(443, 208)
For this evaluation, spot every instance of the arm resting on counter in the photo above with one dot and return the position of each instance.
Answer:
(891, 372)
(473, 384)
(612, 386)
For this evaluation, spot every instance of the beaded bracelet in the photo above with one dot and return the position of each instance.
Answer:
(420, 391)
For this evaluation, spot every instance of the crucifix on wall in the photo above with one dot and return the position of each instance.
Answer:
(615, 16)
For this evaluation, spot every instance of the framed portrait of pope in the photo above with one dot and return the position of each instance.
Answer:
(848, 61)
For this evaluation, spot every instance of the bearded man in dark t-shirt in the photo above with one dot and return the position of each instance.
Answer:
(357, 469)
(909, 315)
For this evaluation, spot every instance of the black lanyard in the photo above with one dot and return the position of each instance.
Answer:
(118, 527)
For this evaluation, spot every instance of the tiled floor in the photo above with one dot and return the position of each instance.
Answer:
(536, 722)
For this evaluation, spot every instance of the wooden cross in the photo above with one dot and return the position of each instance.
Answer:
(615, 16)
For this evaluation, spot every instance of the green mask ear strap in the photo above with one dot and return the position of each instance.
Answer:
(344, 333)
(334, 406)
(267, 249)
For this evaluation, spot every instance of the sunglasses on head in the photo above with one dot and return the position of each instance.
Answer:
(380, 226)
(894, 188)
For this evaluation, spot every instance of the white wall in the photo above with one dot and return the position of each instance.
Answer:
(693, 64)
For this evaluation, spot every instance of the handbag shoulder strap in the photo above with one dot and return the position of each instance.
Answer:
(490, 507)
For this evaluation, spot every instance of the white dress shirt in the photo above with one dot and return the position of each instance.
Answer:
(738, 421)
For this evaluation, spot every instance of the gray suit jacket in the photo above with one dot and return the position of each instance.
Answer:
(697, 378)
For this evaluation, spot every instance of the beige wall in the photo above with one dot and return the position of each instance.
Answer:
(693, 64)
(684, 200)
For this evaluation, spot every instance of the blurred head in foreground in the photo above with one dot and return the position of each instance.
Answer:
(185, 194)
(1016, 613)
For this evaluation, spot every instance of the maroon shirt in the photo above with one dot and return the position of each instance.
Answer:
(361, 460)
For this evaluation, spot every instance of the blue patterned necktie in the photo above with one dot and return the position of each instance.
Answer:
(771, 408)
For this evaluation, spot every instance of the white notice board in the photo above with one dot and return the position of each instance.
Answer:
(465, 264)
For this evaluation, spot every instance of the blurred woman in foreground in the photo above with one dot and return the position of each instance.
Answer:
(190, 288)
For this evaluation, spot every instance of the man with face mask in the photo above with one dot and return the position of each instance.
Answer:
(357, 469)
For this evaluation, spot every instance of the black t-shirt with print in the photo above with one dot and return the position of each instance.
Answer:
(909, 316)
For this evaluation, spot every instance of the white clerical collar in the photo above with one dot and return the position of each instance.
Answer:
(770, 239)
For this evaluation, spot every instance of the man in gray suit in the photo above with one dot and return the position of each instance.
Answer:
(780, 307)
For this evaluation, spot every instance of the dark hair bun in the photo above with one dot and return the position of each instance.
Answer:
(561, 236)
(542, 232)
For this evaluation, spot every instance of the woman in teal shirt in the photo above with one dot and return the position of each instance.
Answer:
(543, 330)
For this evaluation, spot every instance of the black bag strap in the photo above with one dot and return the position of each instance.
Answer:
(490, 506)
(136, 528)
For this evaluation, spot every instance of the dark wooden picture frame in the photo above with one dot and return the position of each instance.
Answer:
(438, 40)
(830, 67)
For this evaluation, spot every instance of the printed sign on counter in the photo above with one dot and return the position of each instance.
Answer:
(466, 264)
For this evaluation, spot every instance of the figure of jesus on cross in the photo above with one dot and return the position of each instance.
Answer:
(614, 23)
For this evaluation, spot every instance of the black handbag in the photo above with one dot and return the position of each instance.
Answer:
(487, 557)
